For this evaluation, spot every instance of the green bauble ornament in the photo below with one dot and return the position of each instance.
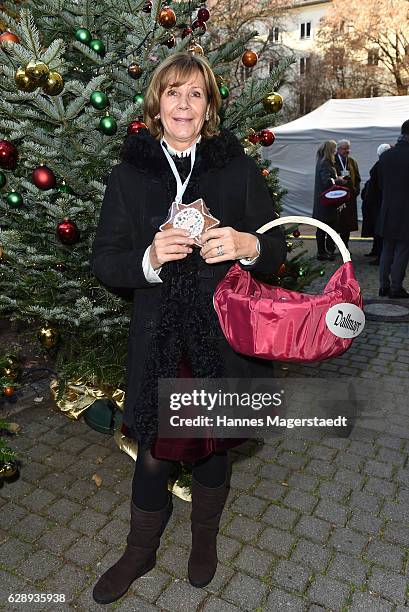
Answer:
(138, 98)
(14, 199)
(97, 46)
(3, 179)
(83, 35)
(108, 125)
(224, 91)
(64, 188)
(99, 100)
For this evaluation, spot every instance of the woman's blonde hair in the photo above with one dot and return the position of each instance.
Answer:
(327, 151)
(175, 70)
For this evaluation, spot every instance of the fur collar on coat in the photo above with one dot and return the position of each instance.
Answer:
(144, 152)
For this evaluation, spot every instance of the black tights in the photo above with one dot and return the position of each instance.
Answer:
(150, 480)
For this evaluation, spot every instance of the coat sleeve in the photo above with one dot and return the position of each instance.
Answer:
(258, 211)
(115, 260)
(357, 186)
(327, 174)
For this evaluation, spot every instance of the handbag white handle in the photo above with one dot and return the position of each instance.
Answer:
(346, 256)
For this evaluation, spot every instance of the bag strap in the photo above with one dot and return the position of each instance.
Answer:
(346, 256)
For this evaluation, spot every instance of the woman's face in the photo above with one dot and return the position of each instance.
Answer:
(183, 110)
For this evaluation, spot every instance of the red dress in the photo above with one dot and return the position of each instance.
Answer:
(187, 449)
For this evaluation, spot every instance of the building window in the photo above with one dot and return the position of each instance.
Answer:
(274, 34)
(373, 57)
(372, 91)
(273, 63)
(305, 103)
(304, 65)
(305, 31)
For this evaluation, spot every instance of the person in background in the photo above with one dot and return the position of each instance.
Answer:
(371, 204)
(393, 219)
(347, 168)
(325, 176)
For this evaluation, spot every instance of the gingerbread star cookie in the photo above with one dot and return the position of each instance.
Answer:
(194, 217)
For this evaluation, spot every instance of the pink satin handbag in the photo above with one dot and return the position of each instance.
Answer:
(279, 324)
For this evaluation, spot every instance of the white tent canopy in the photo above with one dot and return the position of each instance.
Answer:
(366, 122)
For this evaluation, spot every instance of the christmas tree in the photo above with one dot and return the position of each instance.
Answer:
(74, 75)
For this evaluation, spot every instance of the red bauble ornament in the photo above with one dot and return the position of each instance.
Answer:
(68, 232)
(265, 172)
(167, 17)
(266, 137)
(186, 32)
(200, 26)
(281, 269)
(8, 37)
(203, 14)
(135, 126)
(8, 391)
(254, 138)
(8, 155)
(296, 233)
(170, 42)
(44, 178)
(249, 58)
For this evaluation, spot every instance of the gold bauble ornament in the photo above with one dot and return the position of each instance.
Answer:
(1, 253)
(54, 84)
(8, 469)
(195, 49)
(10, 374)
(273, 102)
(37, 72)
(23, 82)
(48, 337)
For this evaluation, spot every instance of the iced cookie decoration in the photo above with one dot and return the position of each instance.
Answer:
(194, 217)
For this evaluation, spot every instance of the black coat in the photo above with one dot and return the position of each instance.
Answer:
(371, 202)
(393, 220)
(324, 173)
(136, 201)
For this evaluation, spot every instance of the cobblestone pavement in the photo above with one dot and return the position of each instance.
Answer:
(313, 522)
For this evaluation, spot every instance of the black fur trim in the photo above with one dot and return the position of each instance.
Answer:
(186, 324)
(144, 152)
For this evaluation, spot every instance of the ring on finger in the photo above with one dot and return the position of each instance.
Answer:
(220, 250)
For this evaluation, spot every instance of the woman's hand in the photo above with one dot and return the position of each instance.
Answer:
(235, 245)
(169, 245)
(341, 181)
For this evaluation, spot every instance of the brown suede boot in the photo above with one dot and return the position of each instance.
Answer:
(207, 508)
(140, 554)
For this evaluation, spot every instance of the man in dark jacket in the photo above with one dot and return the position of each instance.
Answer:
(393, 220)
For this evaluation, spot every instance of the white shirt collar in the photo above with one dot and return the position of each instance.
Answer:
(183, 153)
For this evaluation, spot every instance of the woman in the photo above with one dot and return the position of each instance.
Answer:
(325, 177)
(174, 329)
